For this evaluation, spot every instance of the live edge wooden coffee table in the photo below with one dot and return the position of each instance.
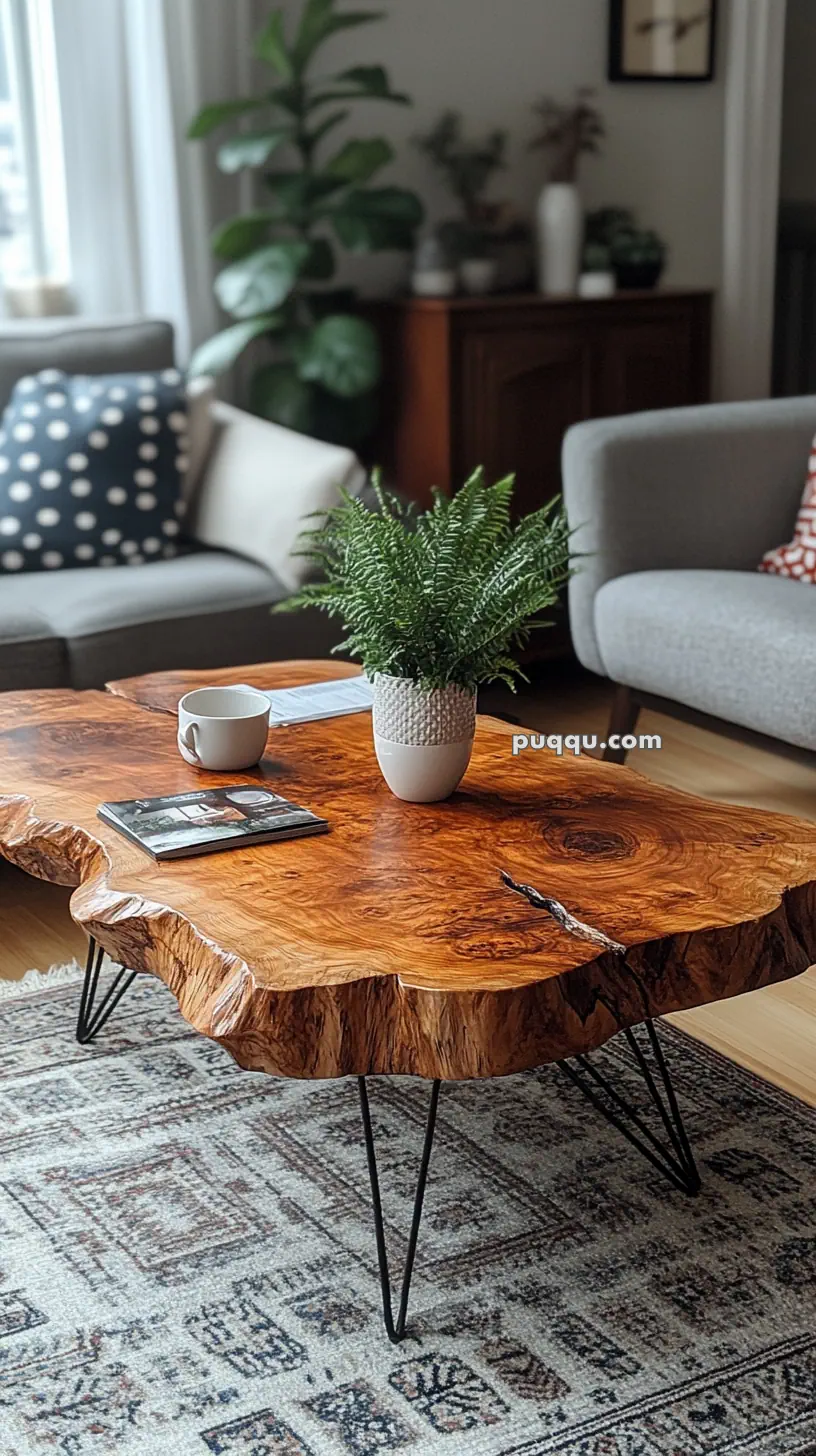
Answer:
(393, 944)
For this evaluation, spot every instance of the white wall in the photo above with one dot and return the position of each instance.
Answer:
(491, 59)
(798, 158)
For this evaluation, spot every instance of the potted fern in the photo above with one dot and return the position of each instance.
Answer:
(433, 604)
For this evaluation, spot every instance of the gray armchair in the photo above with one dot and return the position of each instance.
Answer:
(674, 510)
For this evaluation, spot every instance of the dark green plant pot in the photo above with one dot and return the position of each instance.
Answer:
(637, 275)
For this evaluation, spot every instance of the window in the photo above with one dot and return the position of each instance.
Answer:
(33, 207)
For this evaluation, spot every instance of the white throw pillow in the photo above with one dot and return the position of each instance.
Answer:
(260, 484)
(200, 432)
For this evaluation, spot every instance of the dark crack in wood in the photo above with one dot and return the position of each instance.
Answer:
(562, 916)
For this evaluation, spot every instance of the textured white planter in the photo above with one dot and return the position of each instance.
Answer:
(559, 226)
(423, 740)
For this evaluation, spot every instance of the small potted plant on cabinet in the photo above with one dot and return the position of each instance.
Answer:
(597, 279)
(638, 257)
(467, 167)
(433, 604)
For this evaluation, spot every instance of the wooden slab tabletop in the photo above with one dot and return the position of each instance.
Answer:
(390, 944)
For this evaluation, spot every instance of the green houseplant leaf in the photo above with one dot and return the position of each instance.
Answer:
(343, 354)
(221, 351)
(320, 20)
(261, 281)
(319, 262)
(278, 393)
(251, 148)
(377, 217)
(358, 84)
(312, 139)
(373, 80)
(241, 235)
(341, 420)
(357, 161)
(296, 193)
(220, 112)
(271, 47)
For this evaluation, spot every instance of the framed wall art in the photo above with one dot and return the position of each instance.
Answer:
(662, 40)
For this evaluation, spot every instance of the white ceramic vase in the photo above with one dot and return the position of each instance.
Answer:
(423, 740)
(559, 227)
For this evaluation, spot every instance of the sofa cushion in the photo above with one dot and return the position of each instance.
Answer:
(91, 469)
(797, 558)
(261, 484)
(73, 604)
(200, 434)
(229, 637)
(738, 645)
(31, 654)
(103, 346)
(203, 610)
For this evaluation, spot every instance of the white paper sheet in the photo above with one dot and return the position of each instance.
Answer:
(312, 701)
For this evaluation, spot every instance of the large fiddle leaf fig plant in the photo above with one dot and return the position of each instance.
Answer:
(324, 363)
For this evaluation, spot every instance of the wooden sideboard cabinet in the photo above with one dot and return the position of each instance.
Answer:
(497, 381)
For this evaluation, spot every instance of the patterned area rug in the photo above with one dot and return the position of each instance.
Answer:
(187, 1261)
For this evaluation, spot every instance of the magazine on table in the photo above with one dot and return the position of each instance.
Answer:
(206, 820)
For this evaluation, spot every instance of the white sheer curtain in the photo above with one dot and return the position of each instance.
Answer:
(753, 124)
(142, 200)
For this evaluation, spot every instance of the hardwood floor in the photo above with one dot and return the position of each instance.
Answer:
(37, 928)
(772, 1032)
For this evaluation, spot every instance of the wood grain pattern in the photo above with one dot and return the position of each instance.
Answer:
(390, 945)
(161, 691)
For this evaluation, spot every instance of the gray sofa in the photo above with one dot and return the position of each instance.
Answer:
(81, 627)
(674, 509)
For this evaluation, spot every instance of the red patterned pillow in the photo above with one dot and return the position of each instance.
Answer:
(798, 557)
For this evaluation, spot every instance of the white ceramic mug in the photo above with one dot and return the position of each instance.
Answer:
(223, 729)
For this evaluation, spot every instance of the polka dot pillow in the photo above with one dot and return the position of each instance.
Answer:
(797, 558)
(91, 470)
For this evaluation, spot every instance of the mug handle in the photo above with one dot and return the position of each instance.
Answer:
(187, 736)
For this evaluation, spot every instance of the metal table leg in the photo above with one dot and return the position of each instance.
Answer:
(93, 1017)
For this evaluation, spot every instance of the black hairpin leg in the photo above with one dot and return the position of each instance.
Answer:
(396, 1331)
(91, 1017)
(675, 1159)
